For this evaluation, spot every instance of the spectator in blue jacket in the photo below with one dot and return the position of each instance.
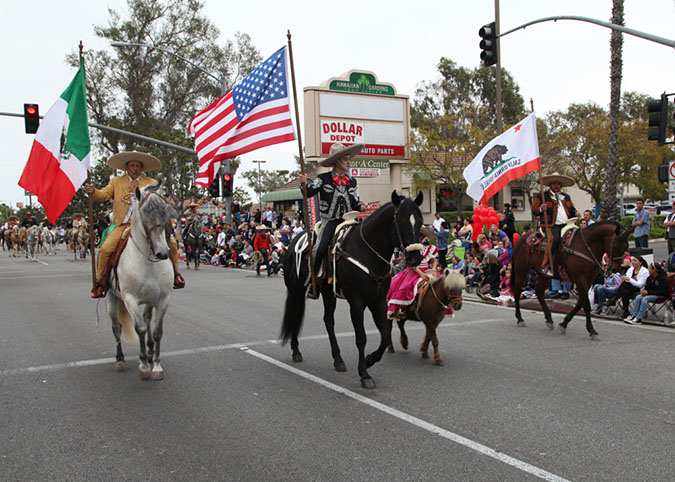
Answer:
(442, 236)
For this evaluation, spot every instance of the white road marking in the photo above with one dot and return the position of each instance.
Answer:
(40, 261)
(475, 446)
(43, 276)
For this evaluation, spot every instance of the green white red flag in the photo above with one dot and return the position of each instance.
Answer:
(60, 157)
(509, 156)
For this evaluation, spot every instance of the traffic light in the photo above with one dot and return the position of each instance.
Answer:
(489, 44)
(227, 185)
(214, 188)
(31, 117)
(658, 119)
(663, 173)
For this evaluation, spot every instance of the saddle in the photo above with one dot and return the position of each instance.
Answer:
(114, 260)
(402, 312)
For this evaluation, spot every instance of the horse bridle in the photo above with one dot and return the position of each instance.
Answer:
(145, 230)
(595, 260)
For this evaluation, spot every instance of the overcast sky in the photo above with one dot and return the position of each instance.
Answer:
(555, 64)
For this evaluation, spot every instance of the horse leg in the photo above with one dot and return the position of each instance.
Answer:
(403, 339)
(120, 364)
(378, 310)
(157, 371)
(141, 328)
(147, 318)
(432, 336)
(542, 282)
(390, 348)
(356, 309)
(329, 302)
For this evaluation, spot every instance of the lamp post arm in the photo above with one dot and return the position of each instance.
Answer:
(221, 81)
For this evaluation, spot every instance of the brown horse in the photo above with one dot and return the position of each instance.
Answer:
(430, 308)
(581, 261)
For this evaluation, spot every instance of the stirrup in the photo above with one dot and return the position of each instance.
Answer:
(178, 281)
(98, 292)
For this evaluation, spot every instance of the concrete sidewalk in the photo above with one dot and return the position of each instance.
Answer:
(565, 306)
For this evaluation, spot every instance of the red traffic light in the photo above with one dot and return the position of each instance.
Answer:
(227, 177)
(31, 110)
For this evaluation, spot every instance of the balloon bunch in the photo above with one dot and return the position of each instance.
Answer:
(483, 215)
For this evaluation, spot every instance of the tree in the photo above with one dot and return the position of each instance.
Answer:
(616, 65)
(152, 93)
(263, 182)
(100, 176)
(452, 118)
(240, 196)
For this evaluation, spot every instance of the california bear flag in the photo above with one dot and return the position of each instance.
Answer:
(59, 160)
(507, 157)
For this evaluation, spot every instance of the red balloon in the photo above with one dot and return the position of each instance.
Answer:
(516, 237)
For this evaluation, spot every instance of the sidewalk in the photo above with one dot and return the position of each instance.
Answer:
(565, 306)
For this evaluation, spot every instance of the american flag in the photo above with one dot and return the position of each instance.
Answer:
(254, 114)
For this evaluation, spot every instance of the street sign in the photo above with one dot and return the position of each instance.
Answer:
(671, 181)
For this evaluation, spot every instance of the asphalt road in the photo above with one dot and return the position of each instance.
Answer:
(509, 404)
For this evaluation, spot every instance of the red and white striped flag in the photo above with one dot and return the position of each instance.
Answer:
(254, 114)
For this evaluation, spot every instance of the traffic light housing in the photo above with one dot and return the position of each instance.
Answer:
(663, 173)
(658, 119)
(31, 117)
(214, 188)
(488, 44)
(227, 185)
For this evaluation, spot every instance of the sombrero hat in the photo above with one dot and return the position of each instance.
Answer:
(566, 181)
(262, 227)
(12, 218)
(119, 160)
(193, 205)
(78, 215)
(338, 150)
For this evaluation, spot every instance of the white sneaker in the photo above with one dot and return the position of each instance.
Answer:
(631, 320)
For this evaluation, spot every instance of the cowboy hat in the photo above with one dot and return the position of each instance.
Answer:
(120, 160)
(12, 218)
(78, 216)
(566, 181)
(262, 227)
(193, 205)
(338, 150)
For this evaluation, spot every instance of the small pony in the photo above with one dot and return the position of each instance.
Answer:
(430, 307)
(140, 287)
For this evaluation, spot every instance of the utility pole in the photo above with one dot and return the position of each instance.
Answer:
(259, 185)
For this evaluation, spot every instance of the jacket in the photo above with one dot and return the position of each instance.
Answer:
(552, 208)
(120, 190)
(334, 201)
(659, 286)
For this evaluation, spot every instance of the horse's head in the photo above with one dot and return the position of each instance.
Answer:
(454, 284)
(154, 216)
(406, 227)
(616, 243)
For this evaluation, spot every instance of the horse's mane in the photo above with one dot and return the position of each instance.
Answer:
(157, 208)
(454, 280)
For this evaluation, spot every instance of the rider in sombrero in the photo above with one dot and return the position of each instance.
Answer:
(338, 195)
(558, 207)
(121, 190)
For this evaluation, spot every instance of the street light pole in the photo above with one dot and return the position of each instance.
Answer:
(259, 185)
(223, 91)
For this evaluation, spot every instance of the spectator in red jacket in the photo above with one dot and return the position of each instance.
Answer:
(261, 244)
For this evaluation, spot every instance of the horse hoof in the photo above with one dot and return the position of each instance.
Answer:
(143, 375)
(297, 357)
(521, 323)
(424, 354)
(549, 325)
(563, 329)
(367, 383)
(438, 362)
(390, 349)
(120, 366)
(595, 337)
(340, 366)
(157, 375)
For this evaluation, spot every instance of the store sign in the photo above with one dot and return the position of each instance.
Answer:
(364, 172)
(370, 163)
(345, 132)
(362, 82)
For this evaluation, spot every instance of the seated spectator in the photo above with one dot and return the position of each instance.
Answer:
(491, 278)
(274, 260)
(474, 274)
(456, 263)
(608, 289)
(656, 286)
(631, 284)
(483, 244)
(465, 234)
(504, 255)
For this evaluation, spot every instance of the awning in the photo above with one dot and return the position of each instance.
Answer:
(287, 195)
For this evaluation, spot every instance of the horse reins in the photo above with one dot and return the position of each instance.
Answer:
(145, 230)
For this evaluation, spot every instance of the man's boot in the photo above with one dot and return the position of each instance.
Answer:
(314, 295)
(98, 291)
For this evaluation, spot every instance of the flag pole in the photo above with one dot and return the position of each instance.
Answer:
(92, 248)
(303, 186)
(549, 237)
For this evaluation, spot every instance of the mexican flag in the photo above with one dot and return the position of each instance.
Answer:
(505, 158)
(59, 160)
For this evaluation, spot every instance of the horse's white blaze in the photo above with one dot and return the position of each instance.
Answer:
(412, 221)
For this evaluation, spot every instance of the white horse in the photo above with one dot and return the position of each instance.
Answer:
(48, 241)
(139, 293)
(32, 240)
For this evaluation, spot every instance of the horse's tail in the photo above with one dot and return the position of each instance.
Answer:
(128, 332)
(294, 311)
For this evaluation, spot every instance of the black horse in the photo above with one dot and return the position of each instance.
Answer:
(363, 273)
(194, 241)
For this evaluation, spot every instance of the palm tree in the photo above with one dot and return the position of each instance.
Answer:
(616, 64)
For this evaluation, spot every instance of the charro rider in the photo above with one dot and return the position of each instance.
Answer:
(338, 195)
(29, 220)
(121, 190)
(558, 207)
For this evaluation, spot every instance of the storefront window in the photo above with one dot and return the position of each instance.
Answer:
(517, 199)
